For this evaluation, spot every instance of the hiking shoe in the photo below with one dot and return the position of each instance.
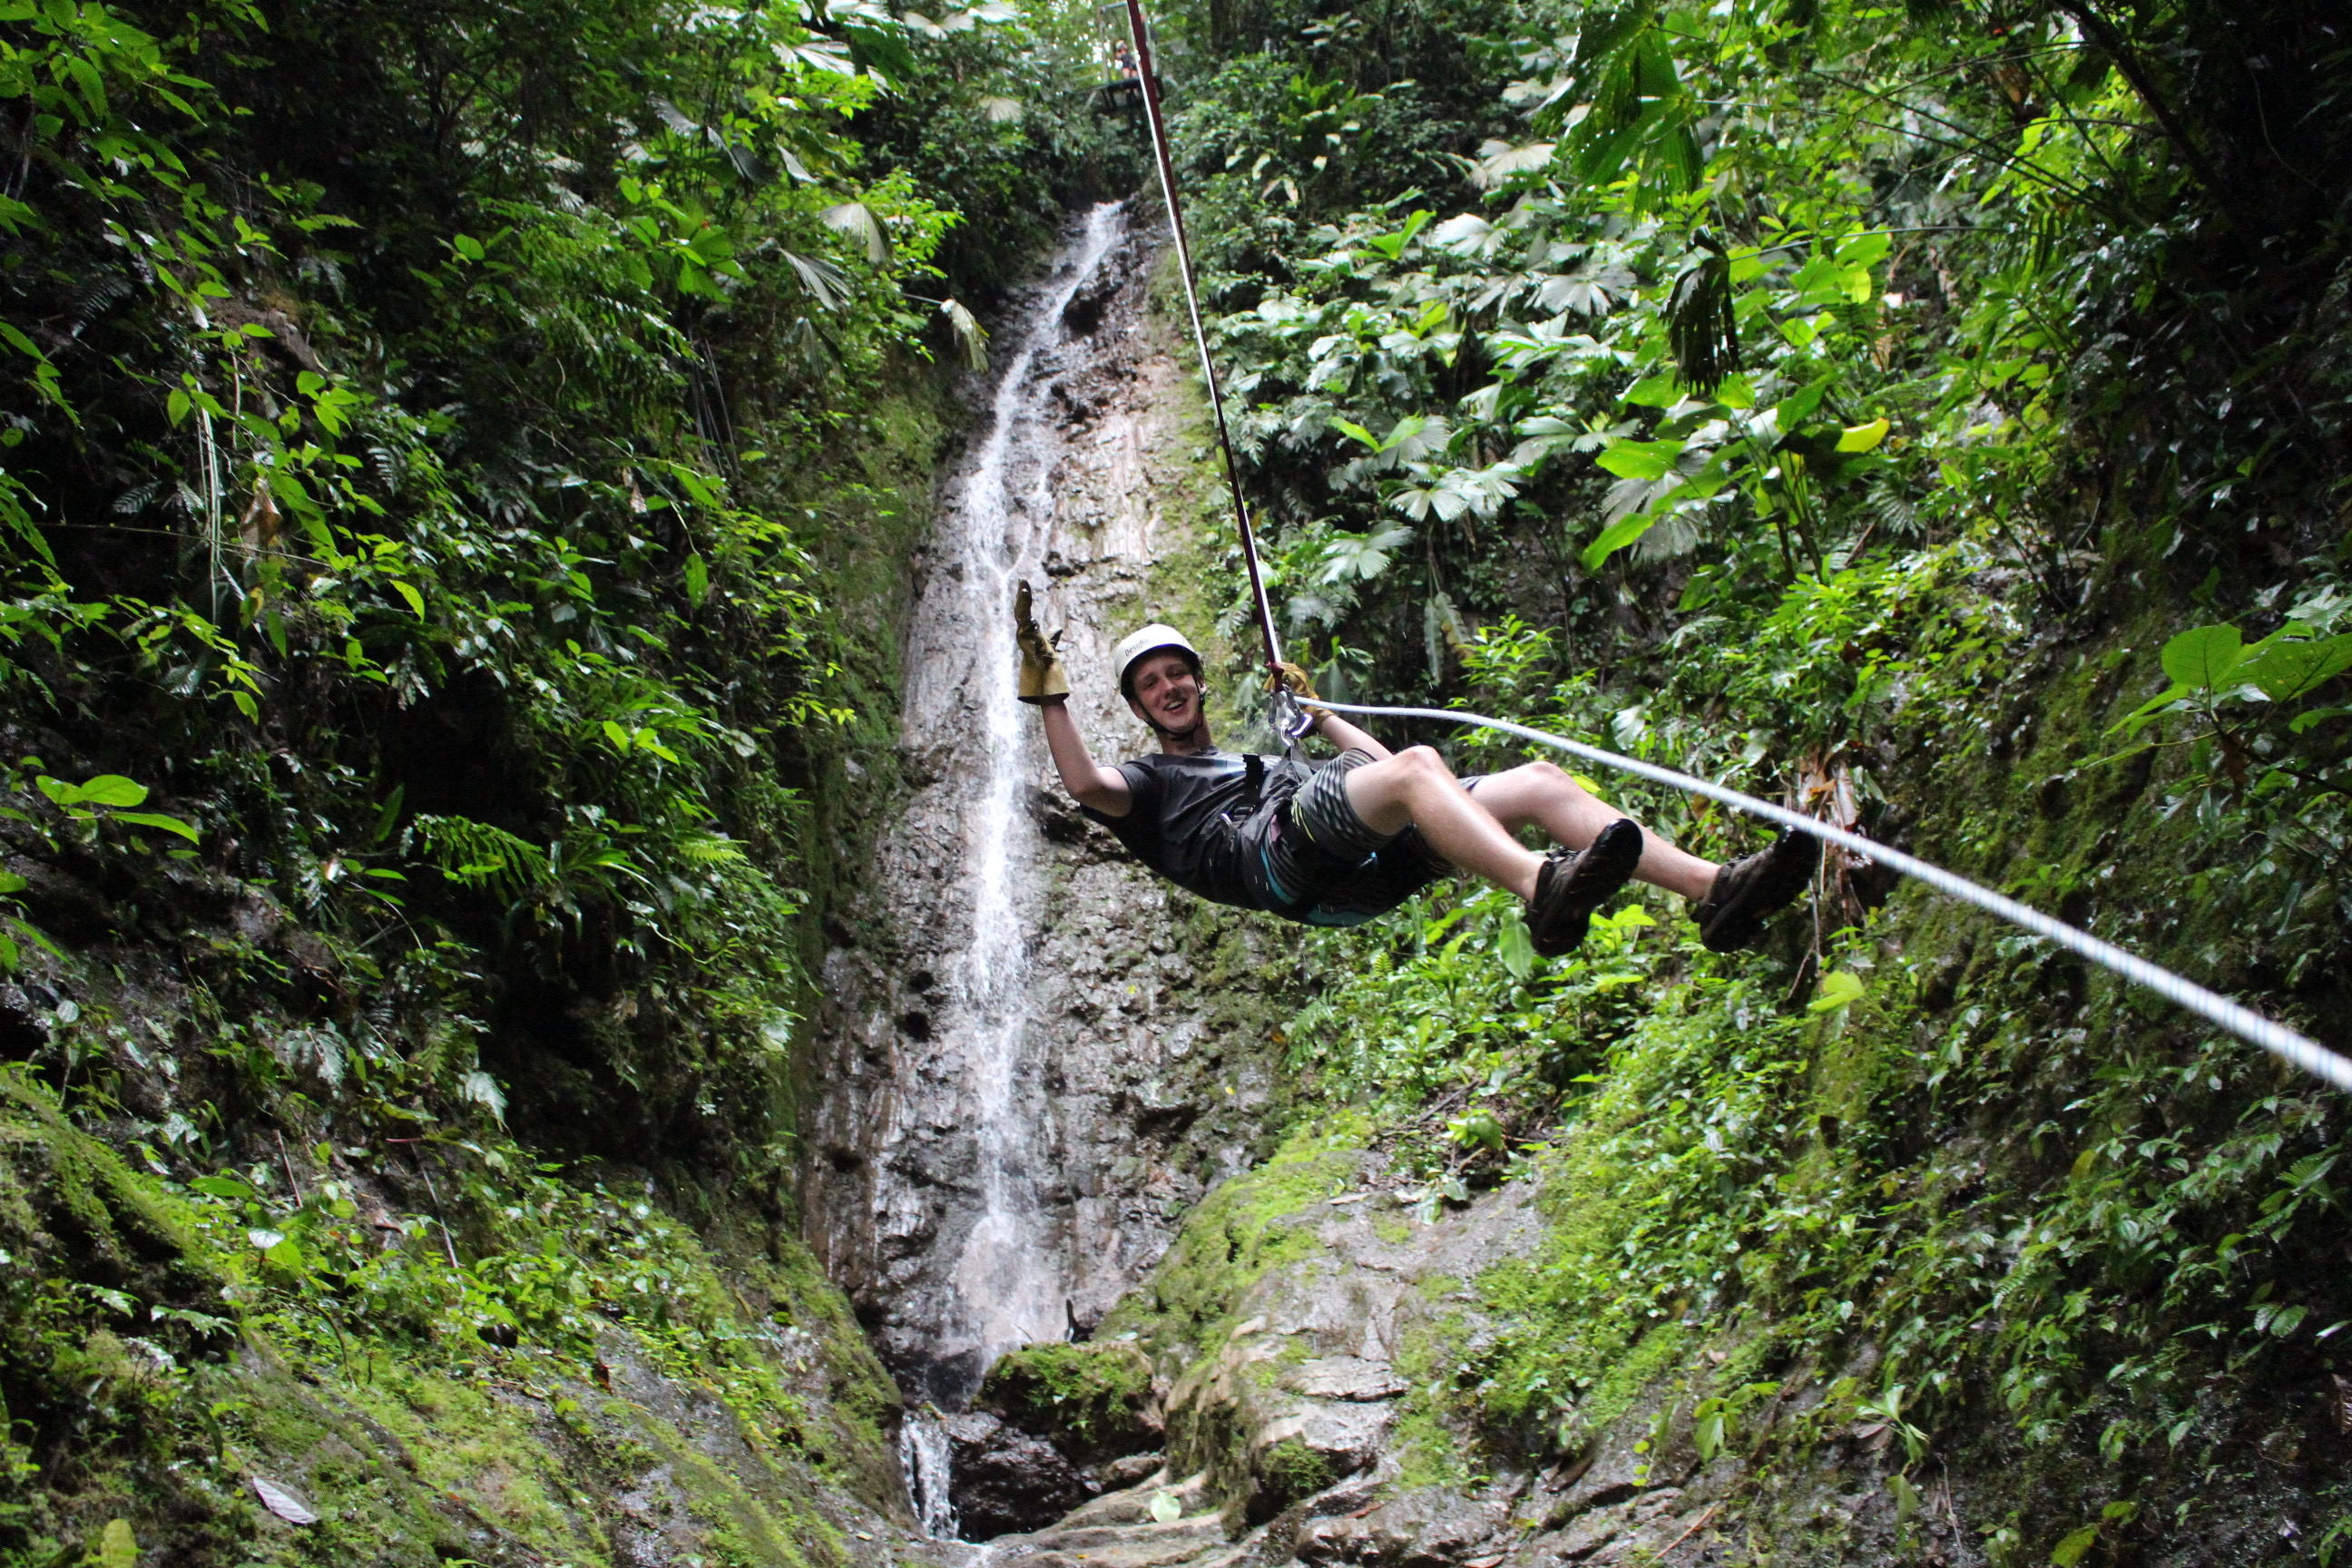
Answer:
(1755, 888)
(1574, 883)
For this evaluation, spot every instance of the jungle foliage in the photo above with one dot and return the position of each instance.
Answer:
(1935, 416)
(418, 455)
(458, 459)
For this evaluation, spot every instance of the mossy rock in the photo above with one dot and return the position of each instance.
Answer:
(1280, 1474)
(1092, 1401)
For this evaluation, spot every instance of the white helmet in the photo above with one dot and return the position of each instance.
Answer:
(1137, 645)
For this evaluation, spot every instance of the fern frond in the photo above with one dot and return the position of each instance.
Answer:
(710, 850)
(476, 855)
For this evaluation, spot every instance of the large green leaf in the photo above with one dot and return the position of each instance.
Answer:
(1658, 391)
(2200, 657)
(1797, 406)
(1616, 537)
(1362, 556)
(106, 789)
(2288, 671)
(1641, 459)
(113, 789)
(857, 220)
(1840, 987)
(2074, 1547)
(1862, 437)
(1516, 946)
(156, 819)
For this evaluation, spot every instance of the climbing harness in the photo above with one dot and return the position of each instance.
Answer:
(1293, 721)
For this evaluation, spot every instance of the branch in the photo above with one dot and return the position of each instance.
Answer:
(2111, 43)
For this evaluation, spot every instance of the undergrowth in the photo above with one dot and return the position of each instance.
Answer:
(1832, 404)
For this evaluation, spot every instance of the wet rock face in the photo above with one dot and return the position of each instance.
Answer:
(1305, 1390)
(1029, 1055)
(1006, 1479)
(1285, 1427)
(1094, 1402)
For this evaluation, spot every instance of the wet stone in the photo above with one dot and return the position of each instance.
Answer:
(1006, 1480)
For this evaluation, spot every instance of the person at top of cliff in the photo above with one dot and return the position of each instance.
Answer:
(1339, 843)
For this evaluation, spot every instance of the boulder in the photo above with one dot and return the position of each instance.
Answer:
(1303, 1391)
(1093, 1402)
(1006, 1480)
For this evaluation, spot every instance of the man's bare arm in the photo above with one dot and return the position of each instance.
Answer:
(1092, 784)
(1347, 737)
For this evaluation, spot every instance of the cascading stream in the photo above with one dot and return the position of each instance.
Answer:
(925, 1460)
(1019, 1091)
(1009, 1279)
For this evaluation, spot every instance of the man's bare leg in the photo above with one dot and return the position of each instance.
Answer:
(1415, 788)
(1543, 796)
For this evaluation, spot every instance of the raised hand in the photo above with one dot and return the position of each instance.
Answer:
(1042, 680)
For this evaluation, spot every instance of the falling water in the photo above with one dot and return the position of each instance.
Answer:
(924, 1458)
(1009, 1278)
(1006, 1277)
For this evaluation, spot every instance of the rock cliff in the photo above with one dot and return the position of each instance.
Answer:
(1025, 1056)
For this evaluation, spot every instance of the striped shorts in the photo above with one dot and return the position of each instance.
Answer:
(1312, 858)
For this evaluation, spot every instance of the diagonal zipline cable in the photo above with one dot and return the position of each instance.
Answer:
(2243, 1022)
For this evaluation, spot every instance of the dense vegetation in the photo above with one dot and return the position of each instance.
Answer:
(459, 461)
(1935, 416)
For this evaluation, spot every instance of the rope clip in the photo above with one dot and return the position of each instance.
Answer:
(1291, 720)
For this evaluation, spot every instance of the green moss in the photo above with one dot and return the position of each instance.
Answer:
(1237, 1233)
(1434, 1416)
(1621, 1386)
(405, 1431)
(1429, 1448)
(1285, 1472)
(1436, 1287)
(1092, 1400)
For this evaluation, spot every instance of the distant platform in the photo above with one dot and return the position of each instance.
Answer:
(1124, 96)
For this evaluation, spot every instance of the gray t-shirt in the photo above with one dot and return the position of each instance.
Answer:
(1185, 811)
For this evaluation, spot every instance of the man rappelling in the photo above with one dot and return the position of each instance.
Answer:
(1340, 842)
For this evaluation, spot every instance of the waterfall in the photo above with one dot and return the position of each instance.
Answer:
(1010, 1278)
(1008, 1282)
(923, 1459)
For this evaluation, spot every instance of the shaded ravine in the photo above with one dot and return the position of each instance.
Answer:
(1017, 1095)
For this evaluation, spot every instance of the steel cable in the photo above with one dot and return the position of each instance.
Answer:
(2247, 1024)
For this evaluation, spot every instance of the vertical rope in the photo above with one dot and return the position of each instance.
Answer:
(211, 453)
(1151, 81)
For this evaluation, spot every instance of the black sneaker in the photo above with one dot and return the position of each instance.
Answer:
(1575, 882)
(1755, 888)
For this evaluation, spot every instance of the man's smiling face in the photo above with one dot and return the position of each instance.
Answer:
(1166, 693)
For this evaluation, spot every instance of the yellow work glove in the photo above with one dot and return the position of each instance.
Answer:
(1041, 656)
(1299, 684)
